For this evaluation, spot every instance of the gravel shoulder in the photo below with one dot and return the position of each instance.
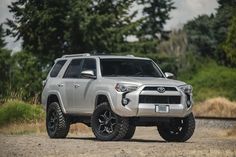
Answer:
(209, 139)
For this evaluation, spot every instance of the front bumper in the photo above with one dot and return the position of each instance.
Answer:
(136, 109)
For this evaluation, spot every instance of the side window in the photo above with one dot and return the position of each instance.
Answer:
(89, 64)
(73, 70)
(57, 68)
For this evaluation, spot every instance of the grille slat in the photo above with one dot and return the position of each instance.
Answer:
(159, 99)
(155, 88)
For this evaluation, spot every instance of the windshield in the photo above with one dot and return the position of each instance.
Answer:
(129, 68)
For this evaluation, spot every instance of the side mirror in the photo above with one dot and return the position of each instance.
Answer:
(169, 75)
(88, 74)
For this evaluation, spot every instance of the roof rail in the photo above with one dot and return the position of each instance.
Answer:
(76, 55)
(130, 55)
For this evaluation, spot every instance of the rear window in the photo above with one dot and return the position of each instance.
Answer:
(57, 67)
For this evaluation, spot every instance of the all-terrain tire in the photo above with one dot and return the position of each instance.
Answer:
(119, 130)
(130, 132)
(178, 129)
(61, 125)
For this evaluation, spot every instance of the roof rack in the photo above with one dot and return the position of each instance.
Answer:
(130, 55)
(76, 55)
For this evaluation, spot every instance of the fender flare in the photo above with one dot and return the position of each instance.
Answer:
(58, 95)
(107, 94)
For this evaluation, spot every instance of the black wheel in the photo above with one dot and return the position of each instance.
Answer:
(108, 126)
(57, 124)
(177, 129)
(130, 132)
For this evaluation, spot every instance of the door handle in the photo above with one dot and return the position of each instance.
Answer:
(76, 85)
(60, 85)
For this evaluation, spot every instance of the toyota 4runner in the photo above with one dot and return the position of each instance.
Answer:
(113, 95)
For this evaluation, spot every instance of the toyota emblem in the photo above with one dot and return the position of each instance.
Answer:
(161, 89)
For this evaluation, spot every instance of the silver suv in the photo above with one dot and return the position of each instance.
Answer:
(113, 95)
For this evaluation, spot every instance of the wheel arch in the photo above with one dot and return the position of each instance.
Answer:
(54, 96)
(102, 97)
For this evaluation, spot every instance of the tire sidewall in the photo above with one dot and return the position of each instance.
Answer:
(94, 122)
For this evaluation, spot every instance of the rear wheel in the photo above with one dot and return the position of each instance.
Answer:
(57, 124)
(106, 125)
(177, 129)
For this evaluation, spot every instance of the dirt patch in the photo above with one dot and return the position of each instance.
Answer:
(206, 141)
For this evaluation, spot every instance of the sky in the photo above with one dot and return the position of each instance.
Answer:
(185, 11)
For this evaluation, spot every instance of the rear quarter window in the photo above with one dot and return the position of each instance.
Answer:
(57, 67)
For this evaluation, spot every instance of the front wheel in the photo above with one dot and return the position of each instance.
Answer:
(177, 129)
(106, 125)
(130, 132)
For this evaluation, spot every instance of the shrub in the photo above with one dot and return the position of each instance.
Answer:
(15, 111)
(212, 80)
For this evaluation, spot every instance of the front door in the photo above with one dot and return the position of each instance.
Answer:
(69, 85)
(84, 90)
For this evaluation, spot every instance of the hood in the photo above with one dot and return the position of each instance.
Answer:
(147, 81)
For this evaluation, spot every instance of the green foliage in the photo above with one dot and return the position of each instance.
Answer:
(201, 35)
(206, 34)
(2, 33)
(230, 43)
(5, 64)
(17, 111)
(212, 80)
(51, 28)
(156, 13)
(26, 75)
(99, 25)
(41, 26)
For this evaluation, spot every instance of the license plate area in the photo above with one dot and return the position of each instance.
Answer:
(162, 108)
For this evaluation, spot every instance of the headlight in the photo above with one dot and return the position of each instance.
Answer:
(186, 88)
(123, 87)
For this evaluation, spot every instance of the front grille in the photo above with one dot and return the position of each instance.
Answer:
(159, 99)
(155, 88)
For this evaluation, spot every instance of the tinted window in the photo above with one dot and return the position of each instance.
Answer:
(129, 67)
(89, 64)
(73, 70)
(56, 68)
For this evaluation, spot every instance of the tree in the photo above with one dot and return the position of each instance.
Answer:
(2, 33)
(201, 35)
(5, 63)
(230, 43)
(99, 25)
(156, 13)
(41, 25)
(207, 34)
(26, 75)
(51, 28)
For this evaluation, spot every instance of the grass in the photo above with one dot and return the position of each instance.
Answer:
(212, 80)
(18, 117)
(15, 111)
(215, 107)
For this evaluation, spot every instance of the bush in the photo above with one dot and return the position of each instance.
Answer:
(15, 111)
(216, 107)
(212, 80)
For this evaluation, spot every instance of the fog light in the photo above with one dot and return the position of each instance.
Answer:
(188, 103)
(125, 101)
